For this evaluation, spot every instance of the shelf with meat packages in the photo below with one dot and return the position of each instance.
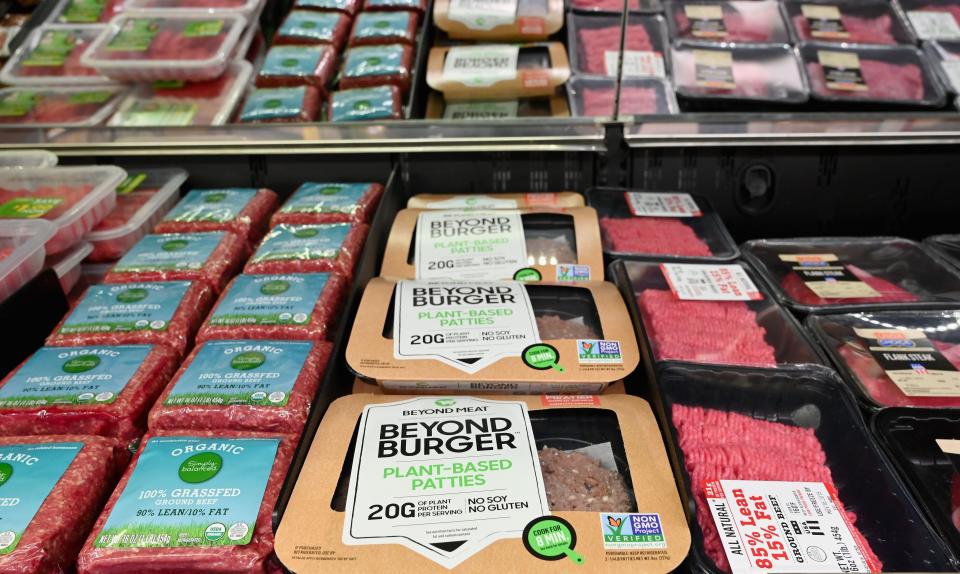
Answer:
(58, 107)
(377, 65)
(847, 22)
(297, 104)
(594, 44)
(348, 7)
(748, 22)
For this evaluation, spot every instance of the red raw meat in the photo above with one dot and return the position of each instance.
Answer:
(177, 336)
(634, 100)
(127, 206)
(172, 44)
(68, 195)
(752, 25)
(342, 263)
(884, 391)
(55, 534)
(5, 252)
(250, 223)
(253, 558)
(724, 445)
(289, 419)
(324, 316)
(297, 212)
(652, 235)
(595, 42)
(604, 5)
(598, 102)
(715, 332)
(877, 30)
(124, 419)
(885, 81)
(795, 288)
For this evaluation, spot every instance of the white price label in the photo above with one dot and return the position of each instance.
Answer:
(694, 282)
(636, 64)
(469, 245)
(483, 14)
(934, 25)
(646, 204)
(481, 65)
(481, 110)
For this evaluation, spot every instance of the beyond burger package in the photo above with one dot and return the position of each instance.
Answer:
(500, 20)
(479, 485)
(530, 244)
(492, 337)
(495, 201)
(497, 71)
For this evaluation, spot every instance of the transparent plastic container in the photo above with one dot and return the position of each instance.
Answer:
(67, 264)
(242, 7)
(615, 6)
(207, 103)
(27, 159)
(73, 199)
(593, 96)
(53, 107)
(945, 57)
(847, 21)
(21, 252)
(85, 11)
(594, 45)
(50, 56)
(946, 247)
(165, 45)
(933, 19)
(749, 22)
(141, 204)
(888, 75)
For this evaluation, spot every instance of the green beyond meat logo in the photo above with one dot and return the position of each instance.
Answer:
(81, 364)
(248, 361)
(6, 471)
(131, 295)
(445, 402)
(200, 467)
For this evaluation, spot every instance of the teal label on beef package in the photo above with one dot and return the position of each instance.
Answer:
(311, 25)
(382, 25)
(217, 205)
(295, 61)
(374, 61)
(191, 491)
(270, 300)
(126, 307)
(28, 473)
(73, 376)
(363, 104)
(272, 104)
(326, 198)
(169, 252)
(302, 242)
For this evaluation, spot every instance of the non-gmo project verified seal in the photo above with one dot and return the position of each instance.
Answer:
(571, 272)
(626, 531)
(594, 351)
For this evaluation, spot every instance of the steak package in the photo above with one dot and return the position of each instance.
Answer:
(212, 257)
(167, 314)
(282, 105)
(61, 107)
(191, 502)
(782, 444)
(497, 71)
(244, 211)
(661, 226)
(291, 66)
(508, 21)
(54, 487)
(933, 19)
(315, 202)
(244, 385)
(593, 96)
(286, 307)
(528, 244)
(752, 21)
(847, 21)
(308, 27)
(374, 28)
(51, 56)
(365, 104)
(93, 390)
(594, 41)
(753, 73)
(895, 358)
(562, 199)
(871, 74)
(377, 65)
(478, 110)
(331, 247)
(492, 337)
(577, 480)
(616, 6)
(840, 274)
(947, 247)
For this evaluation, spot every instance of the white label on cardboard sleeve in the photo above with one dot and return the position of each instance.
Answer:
(934, 25)
(694, 282)
(481, 110)
(952, 69)
(773, 526)
(912, 362)
(483, 14)
(481, 65)
(474, 202)
(644, 204)
(636, 64)
(465, 325)
(443, 477)
(469, 245)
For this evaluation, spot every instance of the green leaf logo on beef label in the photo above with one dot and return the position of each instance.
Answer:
(175, 245)
(214, 197)
(248, 361)
(330, 190)
(275, 287)
(306, 232)
(6, 471)
(81, 364)
(200, 467)
(132, 295)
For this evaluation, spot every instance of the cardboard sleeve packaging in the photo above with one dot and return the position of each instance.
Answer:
(525, 83)
(523, 28)
(559, 199)
(545, 107)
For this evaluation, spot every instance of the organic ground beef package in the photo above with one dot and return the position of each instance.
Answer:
(330, 247)
(244, 211)
(575, 479)
(330, 203)
(193, 501)
(266, 386)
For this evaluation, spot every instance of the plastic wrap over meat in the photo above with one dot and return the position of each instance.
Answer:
(653, 235)
(795, 288)
(869, 23)
(309, 249)
(365, 104)
(743, 21)
(595, 42)
(556, 327)
(330, 203)
(307, 27)
(243, 211)
(883, 390)
(884, 80)
(281, 105)
(755, 73)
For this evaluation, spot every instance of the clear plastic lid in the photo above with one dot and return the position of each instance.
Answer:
(51, 56)
(749, 21)
(27, 159)
(297, 104)
(21, 252)
(67, 264)
(593, 96)
(945, 57)
(85, 11)
(615, 6)
(933, 19)
(896, 358)
(703, 70)
(947, 247)
(206, 103)
(847, 21)
(166, 45)
(242, 7)
(594, 45)
(839, 274)
(58, 107)
(871, 74)
(138, 201)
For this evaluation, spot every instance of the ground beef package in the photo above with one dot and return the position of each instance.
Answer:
(308, 28)
(282, 105)
(734, 21)
(93, 390)
(660, 225)
(592, 96)
(51, 55)
(847, 21)
(497, 72)
(167, 313)
(54, 106)
(946, 247)
(788, 429)
(291, 66)
(365, 104)
(241, 475)
(315, 202)
(212, 256)
(243, 210)
(373, 28)
(286, 307)
(594, 41)
(57, 485)
(331, 247)
(596, 462)
(377, 65)
(840, 274)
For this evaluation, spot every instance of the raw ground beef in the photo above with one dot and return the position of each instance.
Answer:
(595, 42)
(723, 445)
(717, 332)
(652, 235)
(604, 5)
(319, 203)
(177, 334)
(549, 251)
(124, 419)
(267, 260)
(53, 538)
(287, 419)
(795, 288)
(885, 81)
(754, 24)
(598, 102)
(577, 482)
(877, 30)
(556, 327)
(253, 558)
(635, 100)
(222, 264)
(68, 195)
(171, 43)
(884, 391)
(326, 311)
(250, 222)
